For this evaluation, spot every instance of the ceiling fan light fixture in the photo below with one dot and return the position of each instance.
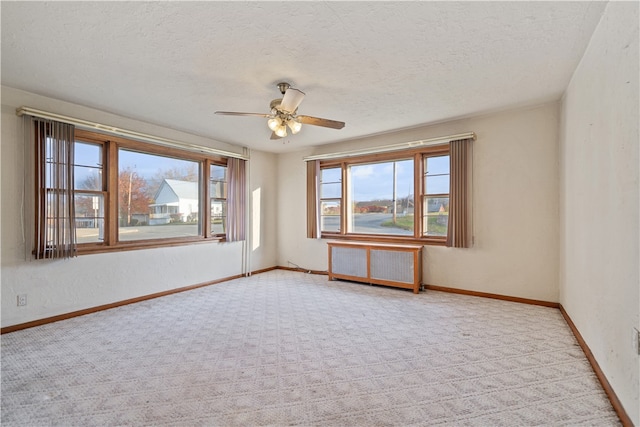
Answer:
(281, 131)
(274, 123)
(294, 125)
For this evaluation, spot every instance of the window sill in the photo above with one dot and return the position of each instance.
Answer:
(89, 248)
(429, 241)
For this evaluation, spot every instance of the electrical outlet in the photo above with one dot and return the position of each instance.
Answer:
(22, 300)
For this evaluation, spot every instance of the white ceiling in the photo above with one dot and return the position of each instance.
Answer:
(378, 66)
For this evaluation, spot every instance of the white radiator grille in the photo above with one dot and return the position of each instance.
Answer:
(392, 265)
(349, 261)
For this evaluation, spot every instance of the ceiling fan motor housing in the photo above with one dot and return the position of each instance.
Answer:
(275, 105)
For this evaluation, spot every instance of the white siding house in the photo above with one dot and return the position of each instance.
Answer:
(175, 201)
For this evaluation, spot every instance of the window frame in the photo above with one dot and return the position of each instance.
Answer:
(419, 156)
(103, 184)
(110, 146)
(339, 200)
(210, 198)
(425, 196)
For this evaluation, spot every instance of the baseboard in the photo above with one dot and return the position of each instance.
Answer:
(302, 270)
(613, 398)
(263, 270)
(90, 310)
(493, 296)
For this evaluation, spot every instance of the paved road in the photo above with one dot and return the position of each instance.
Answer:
(367, 223)
(88, 235)
(363, 223)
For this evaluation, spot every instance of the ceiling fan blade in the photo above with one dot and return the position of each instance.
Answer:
(317, 121)
(291, 99)
(274, 136)
(234, 113)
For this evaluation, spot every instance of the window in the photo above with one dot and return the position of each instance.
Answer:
(218, 199)
(400, 196)
(89, 194)
(435, 197)
(157, 196)
(330, 199)
(382, 198)
(129, 194)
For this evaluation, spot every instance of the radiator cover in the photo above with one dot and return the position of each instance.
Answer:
(390, 265)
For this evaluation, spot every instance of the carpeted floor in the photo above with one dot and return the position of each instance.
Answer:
(284, 348)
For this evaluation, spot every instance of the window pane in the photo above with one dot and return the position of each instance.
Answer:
(218, 196)
(87, 168)
(437, 165)
(56, 221)
(330, 183)
(438, 184)
(55, 158)
(436, 175)
(218, 184)
(218, 216)
(382, 198)
(436, 217)
(157, 197)
(330, 216)
(89, 217)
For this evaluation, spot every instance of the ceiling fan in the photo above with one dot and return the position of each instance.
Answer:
(283, 114)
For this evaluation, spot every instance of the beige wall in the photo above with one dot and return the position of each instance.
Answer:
(56, 287)
(515, 206)
(599, 280)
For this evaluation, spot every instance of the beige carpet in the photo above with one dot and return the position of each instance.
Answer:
(284, 348)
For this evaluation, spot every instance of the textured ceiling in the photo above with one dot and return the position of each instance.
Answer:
(378, 66)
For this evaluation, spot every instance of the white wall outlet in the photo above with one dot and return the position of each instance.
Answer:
(22, 300)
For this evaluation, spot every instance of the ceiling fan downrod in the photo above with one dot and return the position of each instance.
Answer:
(283, 86)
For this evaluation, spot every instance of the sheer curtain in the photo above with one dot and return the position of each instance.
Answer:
(53, 207)
(313, 220)
(236, 200)
(459, 232)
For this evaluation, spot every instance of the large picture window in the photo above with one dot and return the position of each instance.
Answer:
(382, 198)
(128, 194)
(399, 196)
(158, 196)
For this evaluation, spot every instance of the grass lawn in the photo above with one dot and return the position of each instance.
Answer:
(406, 223)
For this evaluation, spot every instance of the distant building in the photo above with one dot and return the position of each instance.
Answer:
(175, 201)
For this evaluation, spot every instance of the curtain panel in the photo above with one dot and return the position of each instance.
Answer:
(459, 232)
(236, 200)
(53, 212)
(313, 216)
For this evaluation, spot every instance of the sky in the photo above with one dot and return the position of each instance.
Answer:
(88, 159)
(371, 181)
(374, 181)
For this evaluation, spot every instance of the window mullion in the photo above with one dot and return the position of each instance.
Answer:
(111, 225)
(418, 172)
(205, 198)
(344, 204)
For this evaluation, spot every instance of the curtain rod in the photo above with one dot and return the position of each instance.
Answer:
(85, 124)
(393, 147)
